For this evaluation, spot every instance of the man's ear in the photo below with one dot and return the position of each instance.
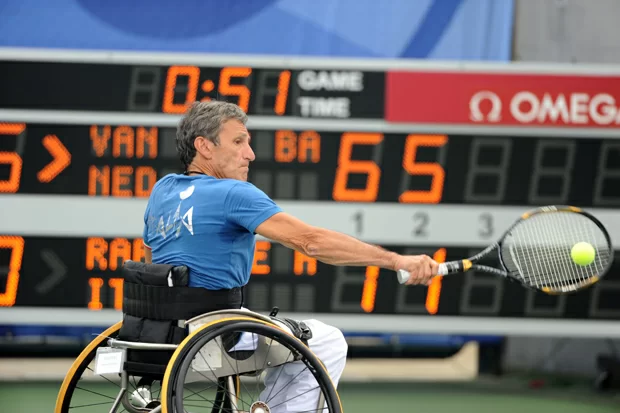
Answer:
(204, 146)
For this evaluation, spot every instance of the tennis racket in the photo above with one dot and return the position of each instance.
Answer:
(536, 251)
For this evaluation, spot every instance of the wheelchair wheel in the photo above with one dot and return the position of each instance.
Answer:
(241, 364)
(84, 392)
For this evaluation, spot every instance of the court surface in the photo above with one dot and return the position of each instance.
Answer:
(39, 397)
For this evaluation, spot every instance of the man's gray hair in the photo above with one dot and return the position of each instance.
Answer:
(204, 119)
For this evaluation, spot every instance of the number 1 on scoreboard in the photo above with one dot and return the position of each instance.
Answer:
(433, 293)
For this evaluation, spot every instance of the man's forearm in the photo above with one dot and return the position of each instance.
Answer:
(335, 248)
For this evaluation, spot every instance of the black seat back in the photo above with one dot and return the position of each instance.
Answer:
(156, 297)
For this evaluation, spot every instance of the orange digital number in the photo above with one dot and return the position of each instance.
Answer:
(193, 74)
(11, 185)
(16, 245)
(434, 169)
(347, 166)
(95, 294)
(281, 98)
(241, 91)
(433, 294)
(117, 285)
(369, 291)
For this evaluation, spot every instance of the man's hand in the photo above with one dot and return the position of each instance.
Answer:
(421, 267)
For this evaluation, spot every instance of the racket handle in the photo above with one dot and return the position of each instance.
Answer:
(403, 275)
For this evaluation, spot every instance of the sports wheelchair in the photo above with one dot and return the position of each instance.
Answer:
(182, 349)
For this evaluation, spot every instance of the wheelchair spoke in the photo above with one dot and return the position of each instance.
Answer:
(293, 398)
(219, 386)
(94, 392)
(211, 403)
(278, 377)
(298, 372)
(88, 405)
(197, 392)
(308, 411)
(192, 405)
(199, 372)
(104, 377)
(280, 391)
(231, 366)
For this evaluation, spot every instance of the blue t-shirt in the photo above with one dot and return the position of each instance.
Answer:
(207, 224)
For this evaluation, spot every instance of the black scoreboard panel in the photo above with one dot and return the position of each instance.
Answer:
(323, 161)
(310, 165)
(274, 91)
(84, 273)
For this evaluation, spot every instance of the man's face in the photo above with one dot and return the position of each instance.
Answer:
(232, 156)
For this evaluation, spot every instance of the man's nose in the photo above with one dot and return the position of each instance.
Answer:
(250, 154)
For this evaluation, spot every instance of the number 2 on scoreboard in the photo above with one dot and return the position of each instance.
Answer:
(348, 166)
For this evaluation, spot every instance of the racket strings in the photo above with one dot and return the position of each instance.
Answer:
(538, 250)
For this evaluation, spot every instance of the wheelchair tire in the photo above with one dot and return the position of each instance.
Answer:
(181, 359)
(63, 401)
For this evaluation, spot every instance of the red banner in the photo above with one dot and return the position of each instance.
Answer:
(503, 99)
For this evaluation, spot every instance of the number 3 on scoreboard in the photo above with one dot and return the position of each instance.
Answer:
(347, 166)
(16, 245)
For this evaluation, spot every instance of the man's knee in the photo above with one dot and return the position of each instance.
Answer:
(327, 340)
(339, 342)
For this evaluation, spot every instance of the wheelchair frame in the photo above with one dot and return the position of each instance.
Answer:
(195, 325)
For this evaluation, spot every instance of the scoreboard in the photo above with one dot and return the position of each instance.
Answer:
(121, 160)
(85, 136)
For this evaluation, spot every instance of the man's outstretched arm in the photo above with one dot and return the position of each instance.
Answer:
(335, 248)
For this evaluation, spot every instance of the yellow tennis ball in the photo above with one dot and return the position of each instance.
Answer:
(583, 253)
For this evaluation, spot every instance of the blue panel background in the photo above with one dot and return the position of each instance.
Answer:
(433, 29)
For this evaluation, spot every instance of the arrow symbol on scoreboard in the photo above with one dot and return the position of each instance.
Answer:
(62, 159)
(59, 271)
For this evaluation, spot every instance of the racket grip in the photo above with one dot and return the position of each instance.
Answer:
(403, 275)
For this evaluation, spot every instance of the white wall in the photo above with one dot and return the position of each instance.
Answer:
(567, 31)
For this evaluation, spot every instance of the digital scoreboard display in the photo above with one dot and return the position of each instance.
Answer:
(89, 135)
(318, 165)
(84, 273)
(168, 89)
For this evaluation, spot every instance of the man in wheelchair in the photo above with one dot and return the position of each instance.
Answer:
(205, 221)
